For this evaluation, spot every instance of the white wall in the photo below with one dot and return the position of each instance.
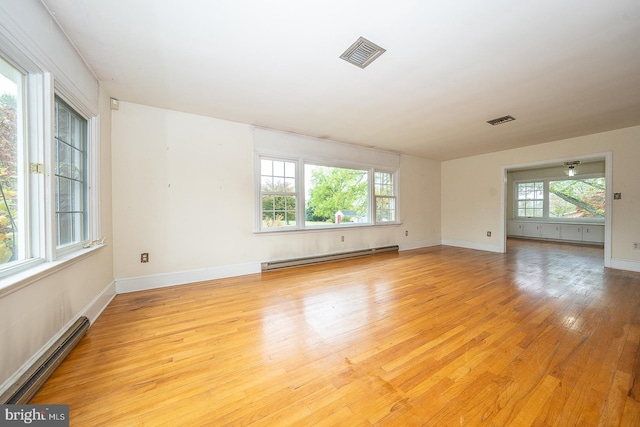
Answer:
(183, 191)
(472, 191)
(34, 315)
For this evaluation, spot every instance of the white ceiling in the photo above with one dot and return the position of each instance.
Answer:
(562, 68)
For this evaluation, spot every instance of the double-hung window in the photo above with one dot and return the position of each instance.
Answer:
(278, 193)
(45, 177)
(297, 194)
(530, 199)
(385, 194)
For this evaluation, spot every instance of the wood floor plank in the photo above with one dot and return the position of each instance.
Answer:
(541, 335)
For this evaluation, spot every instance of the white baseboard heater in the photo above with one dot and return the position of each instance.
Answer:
(30, 382)
(298, 262)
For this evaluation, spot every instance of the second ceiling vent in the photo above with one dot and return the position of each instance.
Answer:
(362, 52)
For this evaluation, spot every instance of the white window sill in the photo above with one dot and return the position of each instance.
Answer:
(322, 228)
(26, 277)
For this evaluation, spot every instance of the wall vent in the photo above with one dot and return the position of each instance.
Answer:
(500, 120)
(298, 262)
(362, 52)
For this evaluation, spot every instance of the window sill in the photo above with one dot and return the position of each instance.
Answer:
(24, 278)
(321, 228)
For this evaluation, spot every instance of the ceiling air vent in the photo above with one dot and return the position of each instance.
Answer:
(500, 120)
(362, 52)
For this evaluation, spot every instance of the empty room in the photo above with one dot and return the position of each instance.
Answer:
(250, 213)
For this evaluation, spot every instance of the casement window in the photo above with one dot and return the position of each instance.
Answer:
(298, 194)
(14, 188)
(70, 175)
(46, 189)
(575, 199)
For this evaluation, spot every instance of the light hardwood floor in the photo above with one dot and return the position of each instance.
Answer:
(542, 335)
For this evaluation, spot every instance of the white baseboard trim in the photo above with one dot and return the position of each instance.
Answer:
(472, 245)
(418, 245)
(625, 264)
(155, 281)
(91, 310)
(95, 308)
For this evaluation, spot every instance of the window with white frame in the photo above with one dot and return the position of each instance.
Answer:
(576, 199)
(13, 174)
(530, 199)
(336, 196)
(42, 177)
(70, 175)
(278, 193)
(299, 194)
(385, 195)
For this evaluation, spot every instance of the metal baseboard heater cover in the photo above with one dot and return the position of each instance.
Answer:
(30, 382)
(299, 262)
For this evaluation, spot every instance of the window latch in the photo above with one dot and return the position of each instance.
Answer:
(37, 168)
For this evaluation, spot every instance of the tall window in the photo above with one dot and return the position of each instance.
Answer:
(13, 226)
(530, 199)
(278, 193)
(385, 197)
(70, 175)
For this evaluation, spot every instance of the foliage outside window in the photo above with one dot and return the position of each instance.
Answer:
(336, 195)
(574, 199)
(577, 198)
(325, 196)
(12, 175)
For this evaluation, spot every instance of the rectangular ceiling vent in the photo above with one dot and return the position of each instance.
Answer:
(500, 120)
(362, 52)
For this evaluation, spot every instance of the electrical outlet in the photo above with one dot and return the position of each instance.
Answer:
(488, 234)
(406, 233)
(342, 238)
(636, 246)
(144, 257)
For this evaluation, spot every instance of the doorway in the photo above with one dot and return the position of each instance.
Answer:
(546, 170)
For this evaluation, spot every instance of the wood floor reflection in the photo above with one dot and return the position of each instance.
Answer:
(542, 335)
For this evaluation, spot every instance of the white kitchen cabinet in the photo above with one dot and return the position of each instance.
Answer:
(593, 233)
(588, 233)
(514, 228)
(571, 232)
(550, 231)
(531, 229)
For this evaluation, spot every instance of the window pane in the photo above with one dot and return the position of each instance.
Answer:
(70, 174)
(278, 187)
(336, 195)
(577, 198)
(12, 174)
(385, 200)
(530, 199)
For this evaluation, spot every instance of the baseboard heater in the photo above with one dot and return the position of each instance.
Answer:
(30, 382)
(298, 262)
